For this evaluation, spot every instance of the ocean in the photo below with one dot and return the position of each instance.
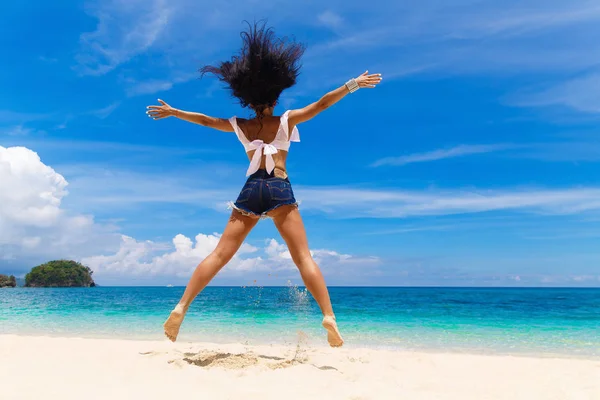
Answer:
(538, 321)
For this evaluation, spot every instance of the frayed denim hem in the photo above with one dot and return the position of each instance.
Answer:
(231, 206)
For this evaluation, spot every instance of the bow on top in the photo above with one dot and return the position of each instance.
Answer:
(261, 148)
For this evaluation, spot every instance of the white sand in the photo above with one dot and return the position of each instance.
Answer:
(65, 368)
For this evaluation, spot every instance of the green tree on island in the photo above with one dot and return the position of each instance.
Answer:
(60, 273)
(8, 281)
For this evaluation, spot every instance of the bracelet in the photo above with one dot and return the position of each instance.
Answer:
(352, 86)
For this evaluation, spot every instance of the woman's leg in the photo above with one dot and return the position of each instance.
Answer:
(233, 236)
(289, 223)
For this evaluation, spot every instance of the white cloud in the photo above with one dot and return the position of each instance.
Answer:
(526, 19)
(441, 38)
(56, 145)
(96, 188)
(180, 259)
(125, 29)
(276, 250)
(571, 152)
(440, 154)
(356, 202)
(105, 189)
(35, 227)
(9, 116)
(330, 19)
(32, 221)
(580, 94)
(156, 85)
(569, 279)
(463, 37)
(585, 278)
(104, 112)
(49, 60)
(31, 191)
(129, 29)
(18, 130)
(460, 36)
(149, 87)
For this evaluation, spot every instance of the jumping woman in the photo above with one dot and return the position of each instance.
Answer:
(265, 67)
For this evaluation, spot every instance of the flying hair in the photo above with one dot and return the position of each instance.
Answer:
(265, 66)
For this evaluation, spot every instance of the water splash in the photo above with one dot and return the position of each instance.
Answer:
(298, 297)
(253, 293)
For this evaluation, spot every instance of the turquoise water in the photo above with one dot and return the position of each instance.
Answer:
(482, 320)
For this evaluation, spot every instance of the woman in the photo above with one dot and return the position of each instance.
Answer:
(264, 68)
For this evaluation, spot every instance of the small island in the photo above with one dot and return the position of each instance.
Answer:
(7, 281)
(60, 273)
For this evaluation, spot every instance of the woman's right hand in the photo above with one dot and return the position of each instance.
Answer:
(366, 80)
(162, 111)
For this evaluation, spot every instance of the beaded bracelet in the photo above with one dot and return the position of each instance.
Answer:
(352, 86)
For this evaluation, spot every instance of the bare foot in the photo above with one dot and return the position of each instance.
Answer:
(333, 335)
(173, 323)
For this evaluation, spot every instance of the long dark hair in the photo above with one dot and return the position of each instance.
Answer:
(265, 67)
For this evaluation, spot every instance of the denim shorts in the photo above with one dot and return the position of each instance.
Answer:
(264, 192)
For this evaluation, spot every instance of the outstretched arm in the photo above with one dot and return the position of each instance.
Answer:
(165, 110)
(304, 114)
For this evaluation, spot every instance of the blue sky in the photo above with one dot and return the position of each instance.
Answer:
(475, 162)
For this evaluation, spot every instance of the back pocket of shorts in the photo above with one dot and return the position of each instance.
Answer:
(246, 192)
(280, 190)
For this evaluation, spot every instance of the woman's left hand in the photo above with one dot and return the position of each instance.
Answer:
(366, 80)
(162, 111)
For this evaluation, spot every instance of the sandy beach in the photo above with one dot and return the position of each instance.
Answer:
(73, 368)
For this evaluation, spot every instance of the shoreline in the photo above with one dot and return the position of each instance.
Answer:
(303, 343)
(312, 342)
(126, 369)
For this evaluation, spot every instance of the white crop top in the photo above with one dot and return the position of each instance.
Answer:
(281, 142)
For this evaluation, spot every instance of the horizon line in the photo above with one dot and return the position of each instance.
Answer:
(331, 286)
